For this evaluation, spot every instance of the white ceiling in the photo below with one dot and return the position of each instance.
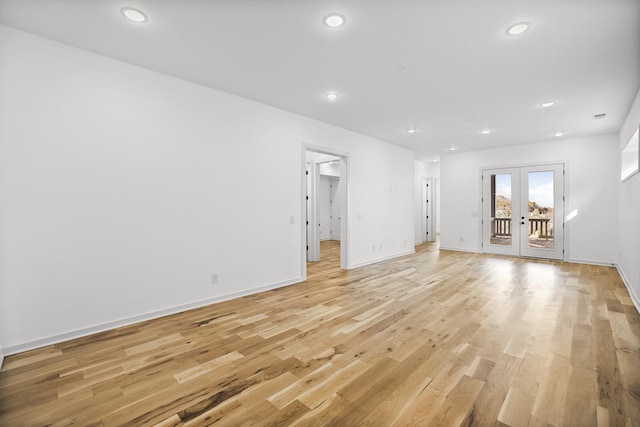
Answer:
(445, 67)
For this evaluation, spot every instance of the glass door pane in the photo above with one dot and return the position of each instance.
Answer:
(541, 209)
(501, 210)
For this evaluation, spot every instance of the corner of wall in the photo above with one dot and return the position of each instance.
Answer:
(628, 204)
(634, 297)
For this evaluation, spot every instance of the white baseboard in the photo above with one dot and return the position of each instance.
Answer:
(634, 298)
(591, 262)
(384, 258)
(473, 251)
(82, 332)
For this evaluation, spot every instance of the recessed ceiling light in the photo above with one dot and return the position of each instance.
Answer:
(133, 15)
(411, 130)
(519, 28)
(334, 20)
(452, 149)
(486, 131)
(332, 96)
(435, 160)
(558, 134)
(548, 104)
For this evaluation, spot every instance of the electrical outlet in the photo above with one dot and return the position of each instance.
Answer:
(214, 278)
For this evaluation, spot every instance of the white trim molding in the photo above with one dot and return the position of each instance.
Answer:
(384, 258)
(82, 332)
(634, 298)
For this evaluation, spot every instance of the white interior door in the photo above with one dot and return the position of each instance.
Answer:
(523, 210)
(436, 199)
(313, 238)
(428, 212)
(335, 209)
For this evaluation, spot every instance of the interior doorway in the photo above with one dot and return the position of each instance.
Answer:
(523, 211)
(326, 184)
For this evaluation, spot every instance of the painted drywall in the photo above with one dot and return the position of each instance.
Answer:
(330, 169)
(628, 212)
(1, 349)
(591, 188)
(2, 244)
(124, 190)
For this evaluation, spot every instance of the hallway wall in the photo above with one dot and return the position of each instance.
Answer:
(124, 190)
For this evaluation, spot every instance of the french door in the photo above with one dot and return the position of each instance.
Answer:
(522, 211)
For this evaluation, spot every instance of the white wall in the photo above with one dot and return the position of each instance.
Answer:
(330, 169)
(591, 187)
(2, 245)
(1, 350)
(125, 189)
(629, 264)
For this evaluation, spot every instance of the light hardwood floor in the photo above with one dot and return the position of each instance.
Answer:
(436, 338)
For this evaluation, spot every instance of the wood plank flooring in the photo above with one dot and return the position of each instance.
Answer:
(438, 338)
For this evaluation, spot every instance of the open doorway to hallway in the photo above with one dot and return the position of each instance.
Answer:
(326, 208)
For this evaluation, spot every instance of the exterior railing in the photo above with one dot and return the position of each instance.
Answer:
(543, 227)
(501, 227)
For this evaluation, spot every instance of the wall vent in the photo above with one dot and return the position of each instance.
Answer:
(599, 116)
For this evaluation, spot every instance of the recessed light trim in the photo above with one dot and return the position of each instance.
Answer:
(332, 96)
(558, 134)
(452, 148)
(519, 28)
(485, 131)
(334, 20)
(411, 130)
(547, 104)
(133, 15)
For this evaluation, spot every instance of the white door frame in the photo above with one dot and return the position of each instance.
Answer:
(345, 259)
(519, 212)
